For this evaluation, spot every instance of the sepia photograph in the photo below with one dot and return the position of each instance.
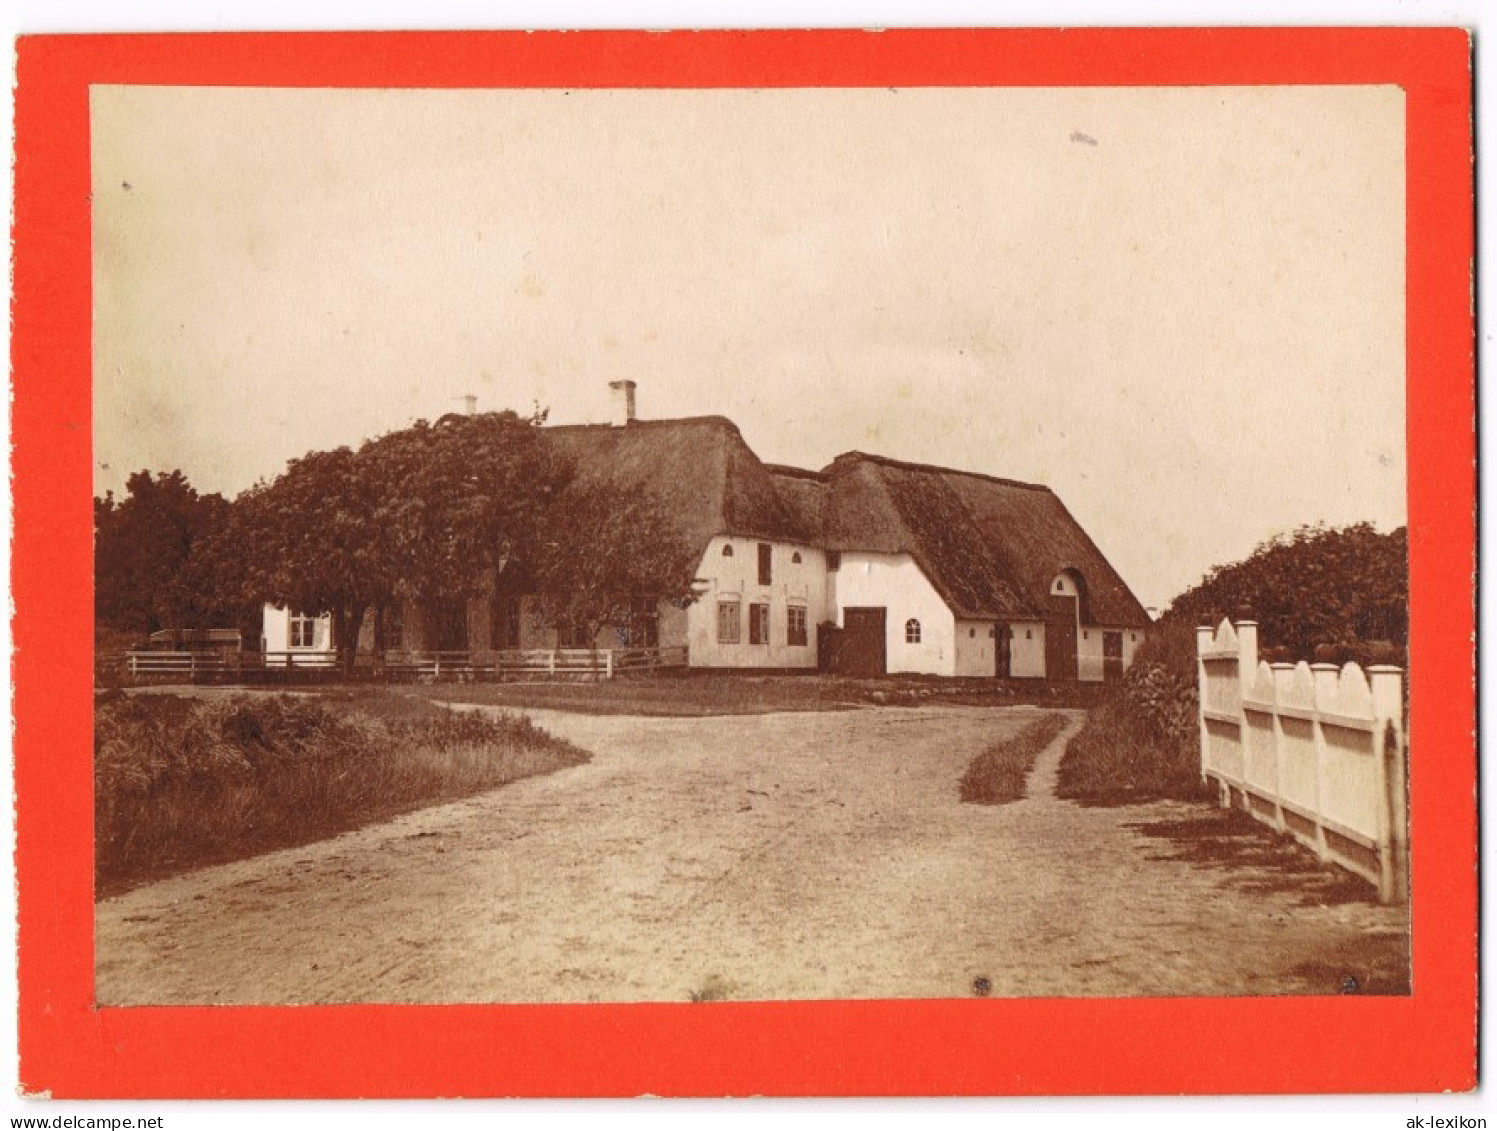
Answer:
(564, 545)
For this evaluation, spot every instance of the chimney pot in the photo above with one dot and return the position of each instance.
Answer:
(623, 401)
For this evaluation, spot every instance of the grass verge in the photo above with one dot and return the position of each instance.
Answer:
(181, 783)
(998, 775)
(700, 694)
(1117, 758)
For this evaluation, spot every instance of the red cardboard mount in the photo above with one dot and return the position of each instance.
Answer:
(72, 1048)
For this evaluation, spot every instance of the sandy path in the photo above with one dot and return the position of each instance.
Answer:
(772, 856)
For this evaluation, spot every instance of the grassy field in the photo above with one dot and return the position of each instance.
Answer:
(998, 775)
(180, 783)
(696, 694)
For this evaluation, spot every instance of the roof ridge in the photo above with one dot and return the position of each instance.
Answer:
(795, 472)
(906, 465)
(710, 418)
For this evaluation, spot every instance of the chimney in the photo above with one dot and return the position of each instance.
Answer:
(623, 401)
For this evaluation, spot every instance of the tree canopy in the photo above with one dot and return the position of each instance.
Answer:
(608, 558)
(1317, 587)
(431, 513)
(142, 548)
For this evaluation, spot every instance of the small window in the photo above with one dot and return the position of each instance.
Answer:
(1086, 636)
(833, 560)
(795, 627)
(728, 550)
(728, 627)
(795, 558)
(1029, 634)
(1133, 638)
(912, 631)
(303, 631)
(766, 558)
(972, 633)
(1060, 586)
(759, 624)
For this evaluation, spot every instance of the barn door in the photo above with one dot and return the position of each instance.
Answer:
(863, 650)
(1060, 638)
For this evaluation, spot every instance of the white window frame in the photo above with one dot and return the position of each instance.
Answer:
(301, 631)
(794, 639)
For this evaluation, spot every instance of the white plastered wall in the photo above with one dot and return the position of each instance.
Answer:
(735, 577)
(275, 633)
(895, 583)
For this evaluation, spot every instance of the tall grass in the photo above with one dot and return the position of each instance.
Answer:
(1142, 741)
(998, 775)
(179, 783)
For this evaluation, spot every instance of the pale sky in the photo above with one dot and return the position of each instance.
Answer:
(1182, 309)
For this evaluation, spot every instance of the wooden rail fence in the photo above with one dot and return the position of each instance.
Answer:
(1314, 751)
(232, 666)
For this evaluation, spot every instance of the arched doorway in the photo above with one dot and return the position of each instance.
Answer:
(1063, 615)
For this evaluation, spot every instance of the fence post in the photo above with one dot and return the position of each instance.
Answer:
(1247, 652)
(1283, 676)
(1204, 636)
(1387, 711)
(1327, 677)
(609, 654)
(551, 662)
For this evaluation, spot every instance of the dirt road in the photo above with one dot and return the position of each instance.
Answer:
(749, 857)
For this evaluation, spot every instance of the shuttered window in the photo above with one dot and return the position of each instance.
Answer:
(728, 627)
(766, 557)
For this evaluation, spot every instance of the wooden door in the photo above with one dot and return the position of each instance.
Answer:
(1060, 638)
(863, 648)
(1112, 656)
(1003, 650)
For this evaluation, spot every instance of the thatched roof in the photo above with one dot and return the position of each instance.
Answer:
(699, 470)
(990, 546)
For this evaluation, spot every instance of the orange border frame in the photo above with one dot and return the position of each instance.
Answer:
(1309, 1044)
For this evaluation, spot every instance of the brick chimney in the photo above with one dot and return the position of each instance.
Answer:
(623, 401)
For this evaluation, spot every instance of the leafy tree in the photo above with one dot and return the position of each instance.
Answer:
(430, 512)
(451, 502)
(307, 542)
(142, 549)
(609, 558)
(1337, 588)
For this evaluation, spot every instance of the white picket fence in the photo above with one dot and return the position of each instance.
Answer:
(1314, 751)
